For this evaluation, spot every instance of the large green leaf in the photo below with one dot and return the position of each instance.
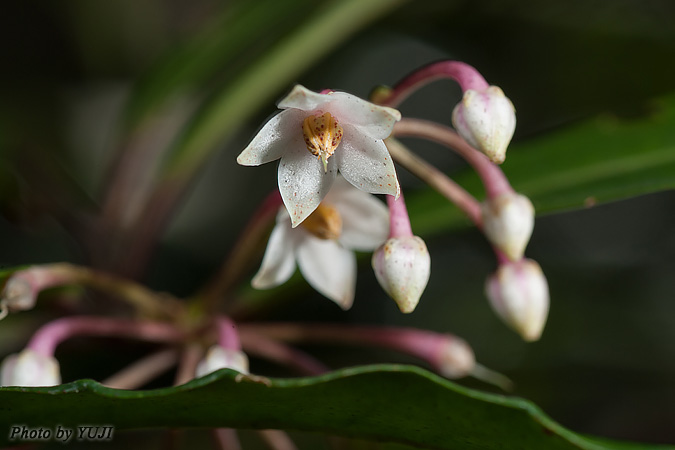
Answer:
(601, 160)
(388, 403)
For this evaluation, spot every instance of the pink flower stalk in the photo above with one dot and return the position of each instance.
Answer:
(402, 264)
(449, 355)
(49, 336)
(485, 117)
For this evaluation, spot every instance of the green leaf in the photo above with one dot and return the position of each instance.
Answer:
(601, 160)
(388, 403)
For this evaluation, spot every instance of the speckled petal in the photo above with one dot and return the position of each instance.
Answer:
(303, 182)
(374, 120)
(328, 268)
(280, 133)
(303, 99)
(365, 162)
(365, 219)
(278, 264)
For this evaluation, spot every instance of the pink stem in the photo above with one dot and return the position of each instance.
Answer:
(228, 337)
(47, 338)
(436, 179)
(493, 178)
(399, 221)
(462, 73)
(425, 345)
(273, 350)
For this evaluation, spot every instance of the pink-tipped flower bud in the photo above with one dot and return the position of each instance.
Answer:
(402, 266)
(29, 369)
(218, 357)
(486, 119)
(518, 292)
(508, 220)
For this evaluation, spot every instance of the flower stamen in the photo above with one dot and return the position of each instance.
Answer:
(322, 136)
(325, 222)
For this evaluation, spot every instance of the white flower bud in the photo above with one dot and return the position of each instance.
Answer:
(29, 369)
(18, 295)
(402, 267)
(218, 357)
(518, 292)
(486, 119)
(508, 221)
(457, 359)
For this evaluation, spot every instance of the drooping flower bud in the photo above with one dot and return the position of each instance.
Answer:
(29, 369)
(518, 293)
(456, 358)
(508, 220)
(402, 266)
(218, 357)
(18, 294)
(486, 119)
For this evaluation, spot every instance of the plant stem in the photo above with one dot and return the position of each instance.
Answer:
(140, 372)
(493, 178)
(462, 73)
(399, 221)
(47, 338)
(436, 179)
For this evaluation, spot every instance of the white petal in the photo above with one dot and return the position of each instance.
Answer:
(365, 219)
(303, 182)
(374, 120)
(281, 133)
(365, 162)
(278, 264)
(303, 99)
(329, 268)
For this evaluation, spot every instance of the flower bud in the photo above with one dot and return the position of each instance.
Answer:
(218, 357)
(486, 119)
(518, 292)
(402, 266)
(508, 220)
(18, 294)
(456, 359)
(29, 369)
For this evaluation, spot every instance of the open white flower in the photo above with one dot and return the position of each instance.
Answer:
(348, 219)
(318, 134)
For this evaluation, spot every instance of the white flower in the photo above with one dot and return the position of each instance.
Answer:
(348, 219)
(518, 292)
(218, 357)
(486, 119)
(29, 369)
(318, 134)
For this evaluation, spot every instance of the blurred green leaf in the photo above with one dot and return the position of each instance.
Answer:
(256, 83)
(601, 160)
(389, 403)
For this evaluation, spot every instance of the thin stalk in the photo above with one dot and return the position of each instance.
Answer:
(436, 179)
(142, 371)
(491, 175)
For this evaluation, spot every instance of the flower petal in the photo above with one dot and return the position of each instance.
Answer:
(278, 264)
(303, 182)
(328, 268)
(374, 120)
(365, 219)
(280, 133)
(303, 99)
(365, 162)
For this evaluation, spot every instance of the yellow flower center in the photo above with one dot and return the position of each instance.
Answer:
(325, 222)
(322, 136)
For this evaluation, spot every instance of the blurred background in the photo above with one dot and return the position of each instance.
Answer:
(104, 101)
